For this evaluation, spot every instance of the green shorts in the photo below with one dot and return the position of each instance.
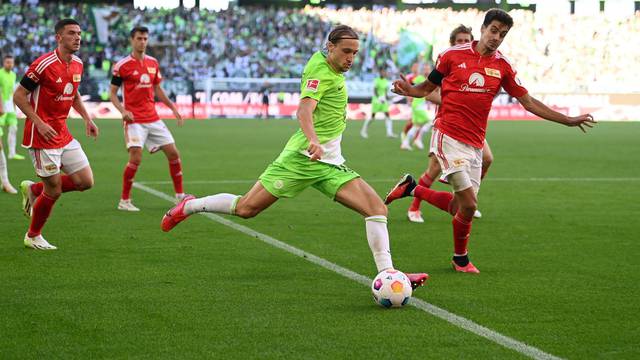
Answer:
(420, 117)
(293, 172)
(7, 119)
(377, 107)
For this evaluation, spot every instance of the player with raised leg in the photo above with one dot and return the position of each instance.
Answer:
(52, 81)
(312, 157)
(140, 74)
(470, 76)
(460, 35)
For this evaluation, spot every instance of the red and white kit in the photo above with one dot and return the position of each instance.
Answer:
(470, 83)
(53, 84)
(139, 77)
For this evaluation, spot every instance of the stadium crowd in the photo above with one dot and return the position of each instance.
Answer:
(276, 42)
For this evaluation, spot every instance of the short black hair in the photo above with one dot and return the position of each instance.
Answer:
(498, 15)
(64, 22)
(140, 29)
(342, 32)
(8, 56)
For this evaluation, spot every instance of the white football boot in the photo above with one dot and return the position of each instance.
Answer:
(477, 214)
(27, 197)
(37, 243)
(415, 216)
(127, 205)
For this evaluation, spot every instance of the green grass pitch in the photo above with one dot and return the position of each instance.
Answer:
(557, 247)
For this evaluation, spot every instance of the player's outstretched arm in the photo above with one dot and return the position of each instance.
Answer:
(20, 98)
(78, 105)
(435, 97)
(403, 87)
(536, 107)
(165, 100)
(305, 118)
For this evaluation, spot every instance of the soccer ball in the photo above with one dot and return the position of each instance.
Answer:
(391, 288)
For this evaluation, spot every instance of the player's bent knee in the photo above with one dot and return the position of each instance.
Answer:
(377, 210)
(85, 185)
(246, 212)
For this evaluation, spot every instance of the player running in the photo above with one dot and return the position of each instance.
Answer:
(140, 74)
(460, 35)
(470, 75)
(379, 104)
(312, 157)
(52, 81)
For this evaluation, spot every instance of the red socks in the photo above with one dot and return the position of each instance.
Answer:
(36, 188)
(425, 181)
(461, 232)
(67, 185)
(127, 180)
(440, 199)
(407, 127)
(41, 211)
(175, 168)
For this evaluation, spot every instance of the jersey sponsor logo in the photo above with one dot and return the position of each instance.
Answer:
(77, 77)
(59, 81)
(151, 70)
(492, 72)
(476, 83)
(33, 77)
(145, 81)
(476, 79)
(312, 84)
(66, 93)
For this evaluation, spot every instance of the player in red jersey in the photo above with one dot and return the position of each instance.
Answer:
(52, 81)
(140, 74)
(470, 75)
(460, 35)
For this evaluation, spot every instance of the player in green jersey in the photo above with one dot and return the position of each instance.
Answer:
(7, 109)
(7, 117)
(420, 117)
(312, 157)
(379, 104)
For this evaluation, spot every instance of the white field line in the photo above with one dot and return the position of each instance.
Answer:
(443, 314)
(392, 181)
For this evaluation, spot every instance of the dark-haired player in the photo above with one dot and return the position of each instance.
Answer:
(470, 75)
(140, 76)
(52, 81)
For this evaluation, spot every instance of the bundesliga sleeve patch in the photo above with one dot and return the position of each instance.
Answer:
(312, 85)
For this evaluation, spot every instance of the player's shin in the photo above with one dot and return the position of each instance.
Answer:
(127, 180)
(440, 199)
(378, 238)
(41, 211)
(388, 123)
(11, 140)
(175, 168)
(4, 176)
(461, 232)
(219, 203)
(425, 181)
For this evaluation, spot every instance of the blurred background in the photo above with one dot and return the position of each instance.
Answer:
(220, 58)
